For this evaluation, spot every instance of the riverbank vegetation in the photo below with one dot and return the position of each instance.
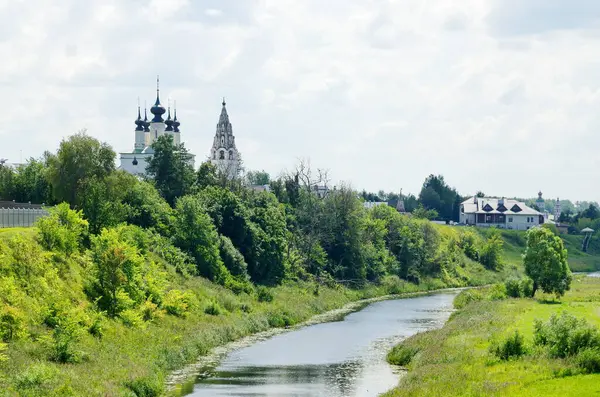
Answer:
(130, 278)
(495, 345)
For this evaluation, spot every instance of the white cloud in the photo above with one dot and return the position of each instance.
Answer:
(381, 92)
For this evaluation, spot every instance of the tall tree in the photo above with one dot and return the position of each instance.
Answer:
(170, 168)
(258, 177)
(79, 157)
(546, 262)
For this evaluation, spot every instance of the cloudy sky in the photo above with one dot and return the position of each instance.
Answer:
(497, 95)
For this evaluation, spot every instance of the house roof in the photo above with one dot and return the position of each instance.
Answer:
(588, 230)
(472, 207)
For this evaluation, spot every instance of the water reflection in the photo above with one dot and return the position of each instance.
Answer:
(339, 359)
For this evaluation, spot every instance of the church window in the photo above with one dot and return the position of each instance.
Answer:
(222, 140)
(222, 155)
(231, 155)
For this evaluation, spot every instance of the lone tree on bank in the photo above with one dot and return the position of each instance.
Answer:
(546, 262)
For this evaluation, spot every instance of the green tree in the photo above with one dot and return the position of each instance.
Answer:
(101, 199)
(170, 168)
(491, 252)
(79, 157)
(118, 279)
(421, 213)
(196, 235)
(258, 177)
(146, 208)
(546, 262)
(31, 183)
(63, 230)
(207, 175)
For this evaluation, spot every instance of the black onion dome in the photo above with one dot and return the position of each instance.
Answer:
(176, 122)
(139, 122)
(157, 110)
(169, 122)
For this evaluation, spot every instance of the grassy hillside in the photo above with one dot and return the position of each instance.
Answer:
(60, 344)
(515, 243)
(458, 360)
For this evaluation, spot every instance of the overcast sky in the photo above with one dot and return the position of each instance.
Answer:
(497, 95)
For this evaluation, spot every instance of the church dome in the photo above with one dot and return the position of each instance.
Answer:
(139, 122)
(157, 110)
(169, 122)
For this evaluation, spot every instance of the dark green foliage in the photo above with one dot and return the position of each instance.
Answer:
(546, 262)
(437, 195)
(65, 336)
(170, 169)
(213, 308)
(468, 243)
(263, 294)
(147, 209)
(589, 360)
(511, 347)
(565, 335)
(28, 183)
(195, 234)
(401, 355)
(513, 288)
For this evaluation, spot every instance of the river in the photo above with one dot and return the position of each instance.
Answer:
(345, 358)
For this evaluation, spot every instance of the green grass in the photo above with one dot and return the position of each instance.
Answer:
(456, 360)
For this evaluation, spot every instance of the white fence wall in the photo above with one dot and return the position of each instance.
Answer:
(20, 217)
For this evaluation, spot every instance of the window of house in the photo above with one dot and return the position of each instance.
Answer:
(510, 219)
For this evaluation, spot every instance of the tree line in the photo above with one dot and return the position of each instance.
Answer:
(236, 236)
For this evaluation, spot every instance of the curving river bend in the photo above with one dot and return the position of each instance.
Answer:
(338, 359)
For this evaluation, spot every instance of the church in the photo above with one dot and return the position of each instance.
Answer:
(224, 154)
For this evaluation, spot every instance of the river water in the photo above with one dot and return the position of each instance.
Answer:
(338, 359)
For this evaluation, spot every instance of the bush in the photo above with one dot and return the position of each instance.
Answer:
(466, 297)
(131, 318)
(491, 251)
(178, 303)
(526, 285)
(401, 355)
(213, 308)
(148, 386)
(496, 292)
(64, 339)
(263, 294)
(512, 346)
(63, 230)
(513, 288)
(232, 258)
(589, 360)
(468, 243)
(565, 335)
(12, 324)
(150, 311)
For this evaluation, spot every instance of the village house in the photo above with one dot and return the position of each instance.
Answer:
(499, 212)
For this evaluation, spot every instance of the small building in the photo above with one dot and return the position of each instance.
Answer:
(260, 188)
(499, 212)
(373, 204)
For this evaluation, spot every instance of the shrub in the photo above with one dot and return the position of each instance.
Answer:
(213, 308)
(263, 294)
(512, 346)
(279, 320)
(496, 292)
(468, 243)
(589, 360)
(131, 318)
(65, 336)
(148, 386)
(150, 311)
(565, 335)
(513, 288)
(401, 355)
(97, 326)
(35, 376)
(526, 285)
(178, 303)
(12, 324)
(466, 297)
(63, 230)
(491, 251)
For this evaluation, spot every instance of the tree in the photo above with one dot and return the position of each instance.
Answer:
(258, 177)
(546, 262)
(118, 279)
(147, 209)
(170, 169)
(421, 213)
(79, 157)
(31, 183)
(196, 235)
(591, 212)
(436, 194)
(207, 175)
(63, 230)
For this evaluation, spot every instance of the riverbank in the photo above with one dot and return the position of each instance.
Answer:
(457, 360)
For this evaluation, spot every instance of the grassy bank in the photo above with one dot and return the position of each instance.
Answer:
(458, 360)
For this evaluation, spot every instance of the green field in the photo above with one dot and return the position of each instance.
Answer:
(456, 360)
